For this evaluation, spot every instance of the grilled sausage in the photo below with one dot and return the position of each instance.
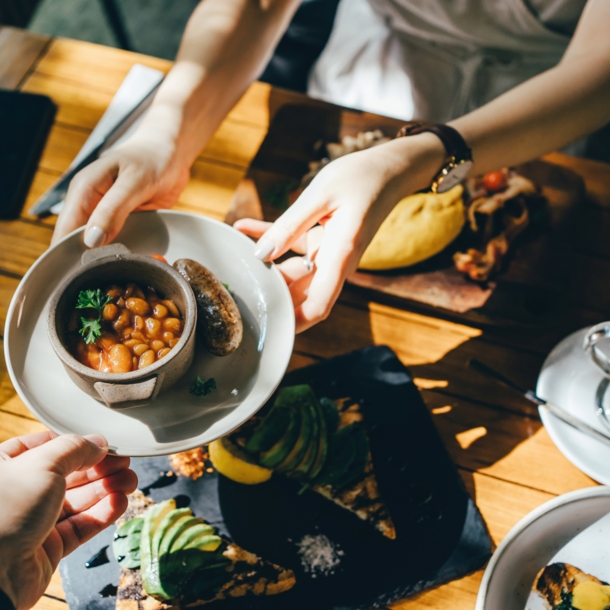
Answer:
(218, 319)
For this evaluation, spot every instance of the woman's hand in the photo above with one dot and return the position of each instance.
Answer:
(141, 174)
(349, 199)
(56, 492)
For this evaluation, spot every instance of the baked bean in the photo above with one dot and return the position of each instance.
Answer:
(120, 358)
(136, 334)
(114, 292)
(172, 307)
(107, 341)
(138, 327)
(163, 352)
(160, 311)
(138, 306)
(153, 328)
(146, 359)
(123, 321)
(140, 348)
(172, 324)
(110, 311)
(157, 345)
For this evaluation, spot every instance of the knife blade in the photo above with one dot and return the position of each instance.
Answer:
(58, 191)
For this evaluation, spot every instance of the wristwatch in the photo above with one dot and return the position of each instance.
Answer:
(459, 158)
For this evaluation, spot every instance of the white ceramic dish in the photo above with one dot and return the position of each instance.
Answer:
(533, 542)
(570, 379)
(177, 420)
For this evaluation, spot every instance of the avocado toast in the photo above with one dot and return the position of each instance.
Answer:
(171, 559)
(322, 444)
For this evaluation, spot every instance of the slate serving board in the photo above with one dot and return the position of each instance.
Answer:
(440, 533)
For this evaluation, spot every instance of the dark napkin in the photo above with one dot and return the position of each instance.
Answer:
(441, 535)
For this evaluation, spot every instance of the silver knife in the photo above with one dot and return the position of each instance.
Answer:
(58, 191)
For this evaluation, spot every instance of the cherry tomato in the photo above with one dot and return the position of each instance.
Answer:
(160, 258)
(495, 181)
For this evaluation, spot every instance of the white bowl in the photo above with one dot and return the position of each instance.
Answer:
(533, 542)
(177, 420)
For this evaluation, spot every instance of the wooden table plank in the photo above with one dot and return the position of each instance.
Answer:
(19, 51)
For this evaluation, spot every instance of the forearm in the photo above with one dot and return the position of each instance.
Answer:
(550, 110)
(224, 48)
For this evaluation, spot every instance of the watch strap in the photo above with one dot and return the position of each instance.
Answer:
(454, 143)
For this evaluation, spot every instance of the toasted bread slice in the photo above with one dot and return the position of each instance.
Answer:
(557, 581)
(250, 575)
(361, 497)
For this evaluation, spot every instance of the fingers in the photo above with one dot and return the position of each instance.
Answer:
(109, 465)
(291, 225)
(77, 529)
(80, 499)
(109, 215)
(20, 444)
(256, 228)
(66, 454)
(334, 260)
(86, 190)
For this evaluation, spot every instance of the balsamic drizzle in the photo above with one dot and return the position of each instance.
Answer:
(100, 558)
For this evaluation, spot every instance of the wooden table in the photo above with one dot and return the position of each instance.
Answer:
(497, 441)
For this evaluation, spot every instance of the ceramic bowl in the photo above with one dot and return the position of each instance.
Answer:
(115, 264)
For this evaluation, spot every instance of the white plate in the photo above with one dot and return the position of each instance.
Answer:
(533, 542)
(177, 420)
(570, 379)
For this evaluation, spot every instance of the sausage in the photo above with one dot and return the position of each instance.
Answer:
(219, 322)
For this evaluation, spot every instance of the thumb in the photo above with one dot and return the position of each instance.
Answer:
(303, 214)
(110, 214)
(67, 454)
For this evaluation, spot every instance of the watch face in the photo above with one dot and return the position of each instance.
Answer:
(453, 174)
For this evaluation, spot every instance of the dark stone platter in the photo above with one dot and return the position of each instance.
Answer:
(440, 533)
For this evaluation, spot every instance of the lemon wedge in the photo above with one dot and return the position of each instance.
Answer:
(418, 227)
(233, 463)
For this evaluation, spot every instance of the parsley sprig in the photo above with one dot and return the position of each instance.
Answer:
(203, 387)
(91, 329)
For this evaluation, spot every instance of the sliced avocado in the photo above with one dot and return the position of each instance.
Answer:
(270, 430)
(179, 526)
(331, 414)
(234, 449)
(293, 459)
(341, 454)
(171, 518)
(148, 566)
(309, 458)
(279, 451)
(192, 533)
(322, 453)
(361, 458)
(207, 543)
(126, 543)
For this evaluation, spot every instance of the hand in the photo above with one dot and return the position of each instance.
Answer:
(349, 199)
(56, 492)
(141, 174)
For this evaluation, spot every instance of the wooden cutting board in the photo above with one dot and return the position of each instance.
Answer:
(294, 135)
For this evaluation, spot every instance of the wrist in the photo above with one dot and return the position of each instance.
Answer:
(420, 158)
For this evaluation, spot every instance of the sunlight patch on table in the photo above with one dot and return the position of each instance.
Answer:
(466, 438)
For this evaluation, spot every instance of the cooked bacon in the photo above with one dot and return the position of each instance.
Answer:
(480, 264)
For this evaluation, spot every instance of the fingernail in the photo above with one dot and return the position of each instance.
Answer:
(98, 440)
(95, 237)
(264, 247)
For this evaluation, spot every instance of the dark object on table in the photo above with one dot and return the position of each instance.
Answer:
(25, 122)
(339, 561)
